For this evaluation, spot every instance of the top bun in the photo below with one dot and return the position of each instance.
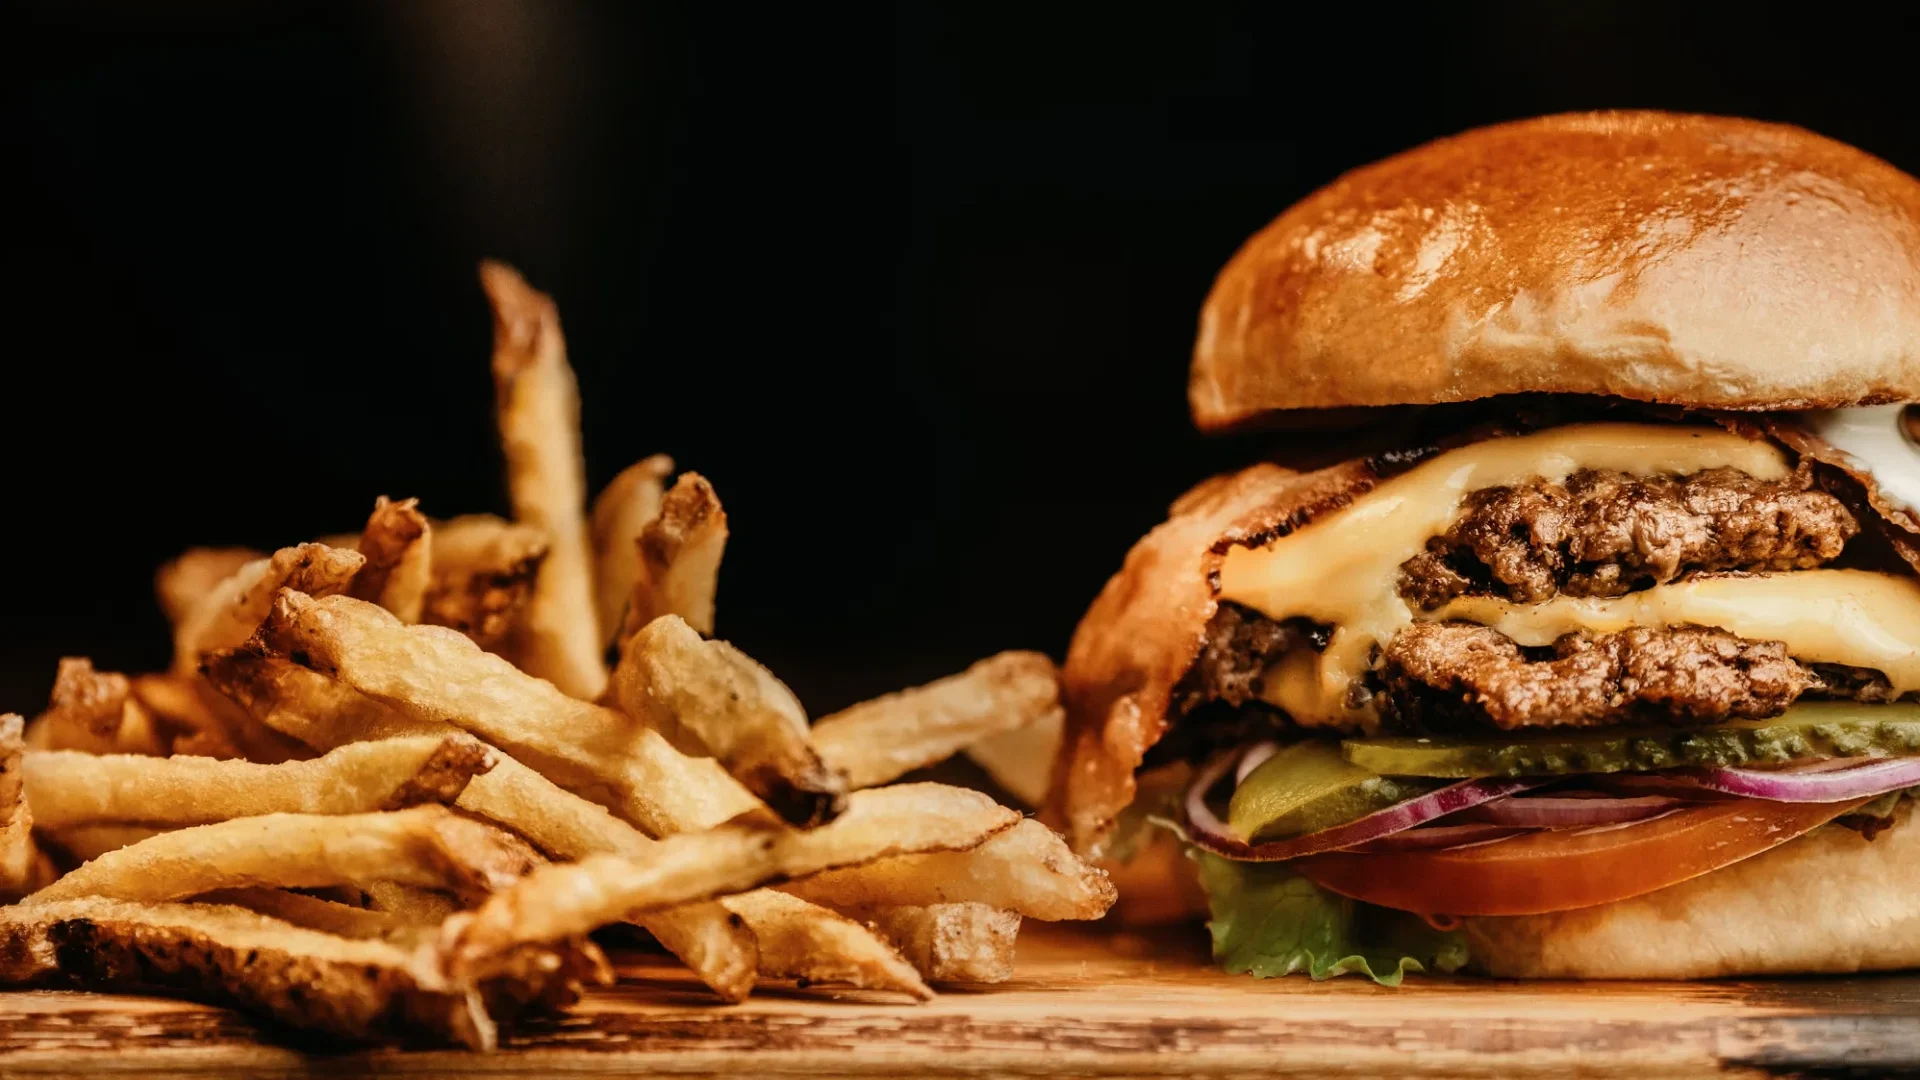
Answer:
(1689, 260)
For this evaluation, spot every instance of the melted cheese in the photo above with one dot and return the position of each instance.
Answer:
(1343, 569)
(1850, 617)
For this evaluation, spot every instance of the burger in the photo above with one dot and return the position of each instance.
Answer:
(1568, 624)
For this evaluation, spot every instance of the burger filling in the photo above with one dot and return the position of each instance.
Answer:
(1535, 674)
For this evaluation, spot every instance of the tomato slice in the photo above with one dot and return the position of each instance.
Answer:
(1566, 869)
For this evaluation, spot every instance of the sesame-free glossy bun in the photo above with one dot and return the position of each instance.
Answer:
(1692, 260)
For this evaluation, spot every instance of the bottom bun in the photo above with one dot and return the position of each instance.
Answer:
(1831, 901)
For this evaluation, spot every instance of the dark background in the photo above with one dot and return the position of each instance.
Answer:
(913, 286)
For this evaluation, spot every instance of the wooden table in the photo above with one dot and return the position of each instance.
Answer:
(1082, 1004)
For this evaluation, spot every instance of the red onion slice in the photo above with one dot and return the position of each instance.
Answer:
(1811, 786)
(1210, 833)
(1570, 811)
(1256, 755)
(1430, 837)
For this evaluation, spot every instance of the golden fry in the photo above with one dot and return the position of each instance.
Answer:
(314, 913)
(67, 788)
(228, 614)
(563, 900)
(621, 510)
(952, 942)
(537, 404)
(424, 845)
(798, 940)
(84, 843)
(483, 573)
(888, 737)
(398, 546)
(324, 714)
(1028, 869)
(180, 584)
(429, 673)
(348, 988)
(410, 905)
(18, 855)
(708, 697)
(1022, 760)
(93, 711)
(680, 553)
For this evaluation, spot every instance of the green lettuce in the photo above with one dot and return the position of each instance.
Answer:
(1269, 921)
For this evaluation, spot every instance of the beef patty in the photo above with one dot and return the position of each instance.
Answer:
(1604, 533)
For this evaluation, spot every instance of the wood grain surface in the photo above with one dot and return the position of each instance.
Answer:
(1081, 1004)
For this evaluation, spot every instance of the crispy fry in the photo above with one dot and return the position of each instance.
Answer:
(801, 941)
(398, 546)
(709, 697)
(325, 714)
(952, 942)
(537, 404)
(348, 988)
(227, 615)
(84, 843)
(410, 904)
(483, 573)
(424, 845)
(68, 788)
(429, 673)
(888, 737)
(680, 553)
(180, 584)
(1022, 760)
(93, 711)
(563, 900)
(18, 855)
(1027, 869)
(621, 510)
(314, 913)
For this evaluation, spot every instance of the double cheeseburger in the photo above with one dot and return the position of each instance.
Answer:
(1600, 655)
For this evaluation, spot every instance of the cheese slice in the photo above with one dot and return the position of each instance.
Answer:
(1851, 617)
(1880, 441)
(1343, 569)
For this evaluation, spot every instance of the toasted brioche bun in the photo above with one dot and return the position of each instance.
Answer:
(1689, 260)
(1830, 902)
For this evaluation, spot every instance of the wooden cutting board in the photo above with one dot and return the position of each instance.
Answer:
(1082, 1004)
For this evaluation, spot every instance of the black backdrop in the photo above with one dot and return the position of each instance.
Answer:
(914, 286)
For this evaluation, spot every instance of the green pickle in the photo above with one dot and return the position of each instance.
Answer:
(1307, 787)
(1813, 730)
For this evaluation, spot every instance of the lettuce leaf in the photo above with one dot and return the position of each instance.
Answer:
(1269, 921)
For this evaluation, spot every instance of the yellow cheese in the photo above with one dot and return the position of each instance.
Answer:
(1850, 617)
(1343, 569)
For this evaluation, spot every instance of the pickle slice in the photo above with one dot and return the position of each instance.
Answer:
(1815, 729)
(1307, 787)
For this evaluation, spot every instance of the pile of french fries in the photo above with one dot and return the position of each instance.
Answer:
(389, 786)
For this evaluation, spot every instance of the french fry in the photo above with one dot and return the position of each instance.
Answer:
(537, 404)
(84, 843)
(888, 737)
(93, 711)
(324, 714)
(429, 673)
(425, 845)
(1021, 760)
(179, 585)
(348, 988)
(67, 788)
(398, 546)
(18, 855)
(228, 614)
(709, 697)
(314, 913)
(952, 942)
(563, 900)
(1028, 869)
(621, 510)
(410, 905)
(801, 941)
(680, 551)
(483, 574)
